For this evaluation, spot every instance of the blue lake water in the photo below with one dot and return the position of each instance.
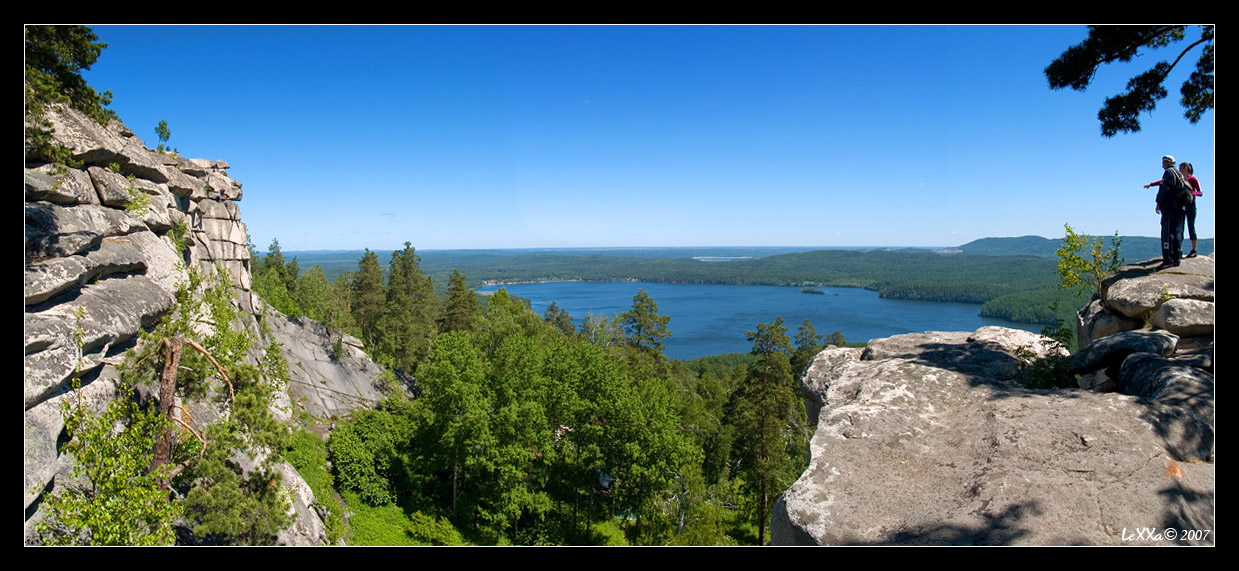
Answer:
(712, 319)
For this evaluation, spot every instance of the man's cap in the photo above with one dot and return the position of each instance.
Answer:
(1168, 158)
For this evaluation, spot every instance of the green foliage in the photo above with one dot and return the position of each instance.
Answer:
(407, 322)
(1050, 372)
(121, 502)
(367, 298)
(602, 330)
(221, 504)
(308, 454)
(460, 309)
(114, 167)
(1035, 306)
(771, 441)
(1084, 261)
(392, 525)
(645, 327)
(367, 457)
(225, 506)
(138, 201)
(1077, 66)
(808, 345)
(163, 132)
(55, 58)
(274, 283)
(559, 317)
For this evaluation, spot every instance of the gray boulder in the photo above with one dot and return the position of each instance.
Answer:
(60, 185)
(1184, 317)
(307, 527)
(89, 141)
(813, 385)
(988, 352)
(1098, 381)
(114, 310)
(1094, 321)
(1109, 352)
(58, 231)
(911, 452)
(1181, 401)
(50, 277)
(1200, 358)
(1138, 295)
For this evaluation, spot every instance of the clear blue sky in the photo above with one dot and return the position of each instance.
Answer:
(516, 137)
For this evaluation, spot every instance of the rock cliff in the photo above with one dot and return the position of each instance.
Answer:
(932, 439)
(84, 250)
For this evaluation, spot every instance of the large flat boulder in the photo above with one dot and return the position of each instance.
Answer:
(1137, 290)
(911, 450)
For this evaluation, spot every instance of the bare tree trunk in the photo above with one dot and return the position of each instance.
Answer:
(167, 398)
(167, 402)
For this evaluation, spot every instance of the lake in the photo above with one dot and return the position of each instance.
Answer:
(712, 319)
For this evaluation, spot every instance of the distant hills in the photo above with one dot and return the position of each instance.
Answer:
(1133, 248)
(573, 263)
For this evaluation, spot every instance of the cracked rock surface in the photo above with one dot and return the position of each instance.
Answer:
(911, 450)
(85, 250)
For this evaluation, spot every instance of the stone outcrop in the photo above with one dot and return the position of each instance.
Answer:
(1178, 300)
(931, 439)
(85, 252)
(1165, 352)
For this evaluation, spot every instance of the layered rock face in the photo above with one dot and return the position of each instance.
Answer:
(84, 251)
(931, 439)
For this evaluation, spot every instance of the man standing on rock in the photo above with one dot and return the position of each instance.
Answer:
(1172, 214)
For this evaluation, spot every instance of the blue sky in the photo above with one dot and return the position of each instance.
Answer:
(519, 137)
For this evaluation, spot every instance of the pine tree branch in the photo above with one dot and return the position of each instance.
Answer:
(222, 373)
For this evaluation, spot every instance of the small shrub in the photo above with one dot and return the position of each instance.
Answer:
(1052, 371)
(1083, 260)
(177, 234)
(138, 201)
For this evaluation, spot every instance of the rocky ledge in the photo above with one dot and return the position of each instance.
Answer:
(84, 250)
(931, 439)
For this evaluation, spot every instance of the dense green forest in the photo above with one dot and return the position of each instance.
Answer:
(530, 431)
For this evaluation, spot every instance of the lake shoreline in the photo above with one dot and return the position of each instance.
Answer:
(710, 319)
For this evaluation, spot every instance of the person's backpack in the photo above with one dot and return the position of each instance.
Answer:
(1182, 191)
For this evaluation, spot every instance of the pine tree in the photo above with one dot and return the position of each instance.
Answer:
(274, 261)
(559, 317)
(808, 345)
(368, 298)
(460, 309)
(645, 327)
(1077, 66)
(766, 417)
(410, 311)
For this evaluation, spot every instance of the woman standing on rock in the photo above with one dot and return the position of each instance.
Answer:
(1189, 174)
